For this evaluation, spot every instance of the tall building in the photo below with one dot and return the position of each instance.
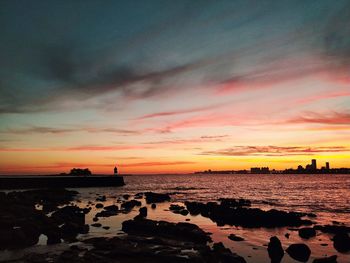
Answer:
(327, 165)
(313, 164)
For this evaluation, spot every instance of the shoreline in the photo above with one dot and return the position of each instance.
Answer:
(105, 215)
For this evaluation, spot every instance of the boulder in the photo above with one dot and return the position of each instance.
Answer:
(275, 250)
(156, 197)
(183, 231)
(341, 242)
(300, 252)
(223, 254)
(99, 205)
(331, 259)
(246, 217)
(233, 237)
(128, 205)
(143, 212)
(307, 232)
(113, 208)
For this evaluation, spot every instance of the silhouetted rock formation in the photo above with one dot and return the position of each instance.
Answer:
(233, 237)
(300, 252)
(21, 223)
(128, 205)
(156, 197)
(275, 250)
(183, 231)
(178, 209)
(331, 259)
(307, 232)
(341, 242)
(131, 248)
(247, 217)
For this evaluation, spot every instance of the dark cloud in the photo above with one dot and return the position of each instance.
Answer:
(53, 130)
(73, 52)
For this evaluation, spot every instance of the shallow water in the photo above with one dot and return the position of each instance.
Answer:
(326, 195)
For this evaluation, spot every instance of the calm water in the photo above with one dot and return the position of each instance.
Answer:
(326, 195)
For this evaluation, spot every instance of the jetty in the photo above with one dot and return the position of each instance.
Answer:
(59, 181)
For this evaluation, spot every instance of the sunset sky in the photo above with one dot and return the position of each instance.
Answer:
(173, 86)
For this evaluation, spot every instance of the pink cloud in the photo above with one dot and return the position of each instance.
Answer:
(334, 118)
(275, 150)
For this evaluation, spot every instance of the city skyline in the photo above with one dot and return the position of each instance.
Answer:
(173, 86)
(310, 168)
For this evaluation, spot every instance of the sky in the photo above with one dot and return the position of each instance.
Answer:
(173, 86)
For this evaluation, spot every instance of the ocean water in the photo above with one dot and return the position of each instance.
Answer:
(328, 196)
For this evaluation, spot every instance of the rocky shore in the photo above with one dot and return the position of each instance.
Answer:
(59, 216)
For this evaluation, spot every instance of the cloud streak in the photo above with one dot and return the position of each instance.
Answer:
(276, 151)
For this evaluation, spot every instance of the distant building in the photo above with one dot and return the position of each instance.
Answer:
(327, 165)
(255, 170)
(258, 170)
(313, 164)
(300, 168)
(265, 170)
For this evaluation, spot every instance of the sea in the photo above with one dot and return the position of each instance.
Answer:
(326, 195)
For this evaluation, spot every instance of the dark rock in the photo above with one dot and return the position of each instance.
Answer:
(275, 250)
(287, 235)
(246, 217)
(178, 209)
(153, 206)
(101, 198)
(70, 231)
(156, 197)
(106, 227)
(307, 232)
(232, 203)
(99, 205)
(128, 205)
(183, 231)
(138, 196)
(222, 254)
(108, 211)
(53, 236)
(184, 212)
(126, 196)
(72, 214)
(233, 237)
(174, 207)
(331, 259)
(311, 215)
(300, 252)
(333, 229)
(113, 208)
(96, 225)
(341, 242)
(143, 212)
